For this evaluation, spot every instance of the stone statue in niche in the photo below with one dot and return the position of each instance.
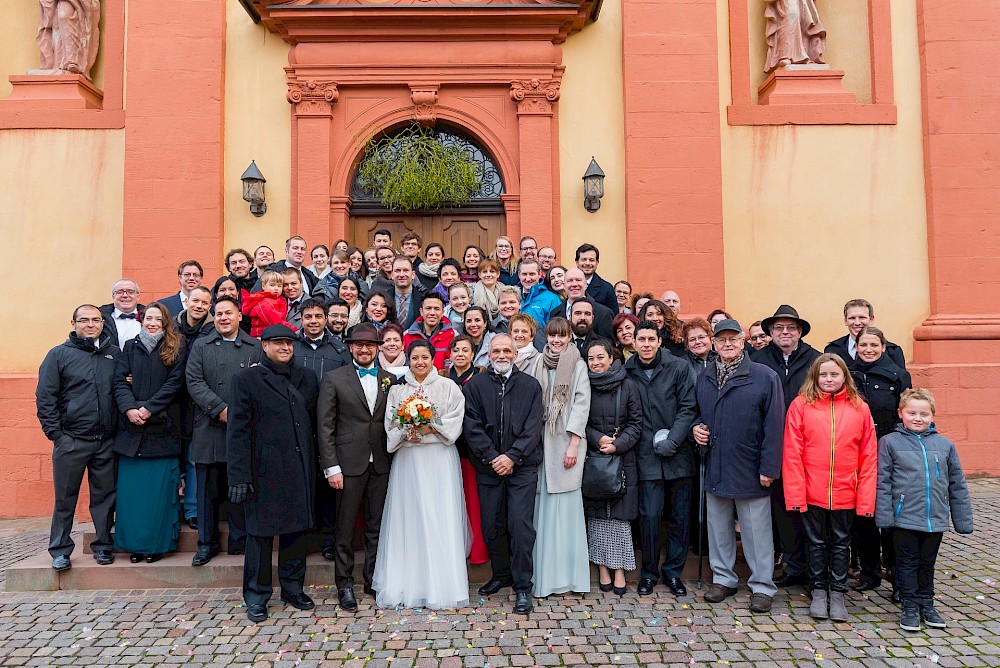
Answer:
(68, 36)
(794, 33)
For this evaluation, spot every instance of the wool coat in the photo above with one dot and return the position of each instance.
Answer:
(572, 420)
(271, 443)
(628, 427)
(503, 417)
(211, 365)
(156, 387)
(746, 422)
(668, 402)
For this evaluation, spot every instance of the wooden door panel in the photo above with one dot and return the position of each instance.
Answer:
(363, 227)
(453, 231)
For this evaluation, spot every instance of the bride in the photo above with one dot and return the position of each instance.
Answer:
(425, 534)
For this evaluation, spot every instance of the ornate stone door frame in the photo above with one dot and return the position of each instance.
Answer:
(491, 68)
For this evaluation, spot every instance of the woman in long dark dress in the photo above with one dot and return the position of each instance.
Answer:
(148, 380)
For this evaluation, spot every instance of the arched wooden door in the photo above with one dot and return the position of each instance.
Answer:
(479, 222)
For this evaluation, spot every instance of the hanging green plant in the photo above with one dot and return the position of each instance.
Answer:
(413, 170)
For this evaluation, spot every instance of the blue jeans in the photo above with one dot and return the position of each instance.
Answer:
(654, 497)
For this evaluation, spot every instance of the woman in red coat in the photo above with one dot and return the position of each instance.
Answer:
(829, 468)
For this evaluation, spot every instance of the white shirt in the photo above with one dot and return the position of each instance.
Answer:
(128, 328)
(369, 384)
(852, 347)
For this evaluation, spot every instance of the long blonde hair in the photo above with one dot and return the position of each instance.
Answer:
(810, 388)
(512, 262)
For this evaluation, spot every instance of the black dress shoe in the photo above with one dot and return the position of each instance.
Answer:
(606, 587)
(866, 584)
(153, 558)
(204, 555)
(676, 587)
(522, 603)
(347, 600)
(646, 586)
(136, 557)
(192, 522)
(329, 553)
(791, 579)
(61, 563)
(104, 557)
(896, 598)
(300, 601)
(368, 590)
(257, 612)
(494, 585)
(237, 548)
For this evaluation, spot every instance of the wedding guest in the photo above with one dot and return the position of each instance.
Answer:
(291, 282)
(358, 264)
(830, 467)
(337, 318)
(523, 330)
(669, 326)
(537, 301)
(382, 282)
(320, 255)
(555, 281)
(75, 407)
(459, 299)
(623, 294)
(213, 361)
(717, 316)
(477, 327)
(546, 257)
(392, 355)
(267, 307)
(623, 327)
(697, 335)
(189, 275)
(354, 454)
(271, 455)
(471, 257)
(449, 274)
(506, 455)
(410, 244)
(341, 245)
(506, 262)
(378, 310)
(241, 268)
(757, 337)
(263, 257)
(148, 379)
(461, 372)
(427, 271)
(486, 291)
(424, 538)
(121, 316)
(664, 456)
(560, 553)
(432, 327)
(510, 305)
(859, 314)
(350, 292)
(405, 295)
(639, 300)
(371, 266)
(340, 270)
(576, 289)
(588, 257)
(614, 425)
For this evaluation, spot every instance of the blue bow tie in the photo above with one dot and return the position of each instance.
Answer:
(366, 372)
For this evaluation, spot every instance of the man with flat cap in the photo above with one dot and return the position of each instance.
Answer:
(271, 455)
(353, 453)
(790, 357)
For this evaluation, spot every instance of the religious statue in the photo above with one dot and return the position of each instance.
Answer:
(793, 32)
(68, 36)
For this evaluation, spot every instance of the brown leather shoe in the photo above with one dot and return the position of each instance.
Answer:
(717, 593)
(760, 603)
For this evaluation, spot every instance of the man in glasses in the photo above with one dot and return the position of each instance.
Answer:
(121, 316)
(790, 357)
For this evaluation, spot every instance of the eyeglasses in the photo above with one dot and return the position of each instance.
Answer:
(703, 337)
(785, 328)
(729, 342)
(121, 292)
(527, 248)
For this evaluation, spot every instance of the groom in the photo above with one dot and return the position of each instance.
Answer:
(352, 448)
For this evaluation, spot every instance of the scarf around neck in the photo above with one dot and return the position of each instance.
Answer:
(429, 270)
(564, 364)
(148, 340)
(608, 380)
(723, 372)
(488, 299)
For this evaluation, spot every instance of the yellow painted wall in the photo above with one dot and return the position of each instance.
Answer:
(258, 127)
(591, 123)
(61, 194)
(808, 210)
(18, 50)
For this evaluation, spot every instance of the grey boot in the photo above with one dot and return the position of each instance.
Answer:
(838, 607)
(819, 603)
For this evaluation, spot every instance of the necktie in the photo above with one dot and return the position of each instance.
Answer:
(366, 372)
(127, 316)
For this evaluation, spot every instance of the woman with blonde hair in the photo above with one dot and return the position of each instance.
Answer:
(506, 261)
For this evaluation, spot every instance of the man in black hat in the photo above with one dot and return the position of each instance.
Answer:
(790, 357)
(353, 453)
(271, 455)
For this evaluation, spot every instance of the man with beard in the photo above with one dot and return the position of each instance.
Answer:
(503, 427)
(581, 320)
(338, 314)
(271, 456)
(241, 268)
(575, 284)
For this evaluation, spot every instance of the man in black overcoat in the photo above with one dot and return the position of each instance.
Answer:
(271, 455)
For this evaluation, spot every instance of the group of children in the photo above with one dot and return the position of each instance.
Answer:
(910, 481)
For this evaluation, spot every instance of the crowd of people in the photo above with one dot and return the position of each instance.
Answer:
(498, 408)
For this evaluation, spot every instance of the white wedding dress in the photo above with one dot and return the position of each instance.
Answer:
(425, 536)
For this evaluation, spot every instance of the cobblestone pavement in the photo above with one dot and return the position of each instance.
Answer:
(209, 627)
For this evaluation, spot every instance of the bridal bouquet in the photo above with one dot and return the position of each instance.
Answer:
(414, 413)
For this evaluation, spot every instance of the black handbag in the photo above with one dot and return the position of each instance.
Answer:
(604, 475)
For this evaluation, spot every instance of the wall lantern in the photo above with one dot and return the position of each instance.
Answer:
(253, 189)
(593, 186)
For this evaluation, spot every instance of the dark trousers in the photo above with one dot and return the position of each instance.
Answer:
(866, 543)
(829, 536)
(916, 552)
(788, 527)
(507, 510)
(257, 587)
(325, 505)
(371, 488)
(213, 492)
(70, 458)
(669, 499)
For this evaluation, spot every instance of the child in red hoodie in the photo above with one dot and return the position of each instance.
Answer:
(267, 307)
(830, 466)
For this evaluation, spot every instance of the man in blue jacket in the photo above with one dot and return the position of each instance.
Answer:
(741, 431)
(538, 300)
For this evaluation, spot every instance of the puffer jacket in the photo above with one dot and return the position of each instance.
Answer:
(440, 340)
(921, 483)
(830, 455)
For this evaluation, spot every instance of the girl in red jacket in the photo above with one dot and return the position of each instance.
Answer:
(829, 469)
(267, 307)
